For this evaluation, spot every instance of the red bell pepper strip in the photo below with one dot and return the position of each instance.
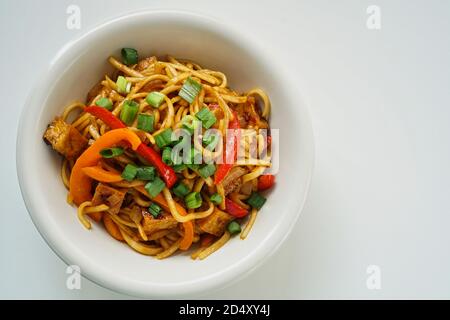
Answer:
(231, 148)
(266, 182)
(106, 116)
(166, 172)
(234, 209)
(146, 152)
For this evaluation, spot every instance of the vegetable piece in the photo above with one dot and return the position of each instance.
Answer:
(164, 138)
(167, 156)
(100, 174)
(130, 171)
(123, 86)
(188, 226)
(155, 187)
(256, 200)
(129, 56)
(207, 170)
(129, 112)
(112, 228)
(190, 90)
(80, 183)
(155, 99)
(104, 103)
(231, 147)
(266, 182)
(106, 116)
(145, 122)
(206, 117)
(234, 209)
(179, 167)
(154, 210)
(143, 150)
(234, 227)
(216, 198)
(165, 171)
(146, 173)
(180, 190)
(189, 123)
(193, 200)
(111, 152)
(210, 141)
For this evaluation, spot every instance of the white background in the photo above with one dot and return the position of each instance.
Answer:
(380, 108)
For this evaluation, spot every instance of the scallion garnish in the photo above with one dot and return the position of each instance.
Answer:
(129, 56)
(154, 210)
(234, 227)
(145, 122)
(123, 86)
(189, 123)
(130, 171)
(155, 187)
(111, 152)
(207, 170)
(164, 138)
(190, 90)
(206, 117)
(256, 200)
(180, 190)
(216, 198)
(193, 200)
(128, 112)
(155, 99)
(210, 141)
(179, 167)
(146, 173)
(167, 156)
(105, 103)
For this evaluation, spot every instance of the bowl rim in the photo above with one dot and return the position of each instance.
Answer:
(230, 275)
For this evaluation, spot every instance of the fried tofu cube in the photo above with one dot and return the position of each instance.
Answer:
(65, 139)
(215, 223)
(113, 198)
(164, 221)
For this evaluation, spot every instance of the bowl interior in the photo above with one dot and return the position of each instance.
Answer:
(73, 72)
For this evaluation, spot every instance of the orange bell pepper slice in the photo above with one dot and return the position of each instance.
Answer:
(81, 184)
(102, 175)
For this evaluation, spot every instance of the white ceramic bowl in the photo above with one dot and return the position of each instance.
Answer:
(79, 65)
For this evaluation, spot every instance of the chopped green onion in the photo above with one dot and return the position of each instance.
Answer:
(189, 123)
(146, 173)
(190, 90)
(128, 112)
(155, 99)
(129, 56)
(193, 167)
(123, 86)
(179, 167)
(111, 152)
(206, 117)
(207, 170)
(216, 198)
(167, 156)
(105, 103)
(210, 141)
(145, 122)
(193, 200)
(180, 190)
(155, 187)
(256, 200)
(154, 209)
(130, 171)
(164, 138)
(234, 227)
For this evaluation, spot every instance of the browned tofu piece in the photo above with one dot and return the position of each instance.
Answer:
(233, 181)
(164, 221)
(215, 223)
(65, 139)
(113, 198)
(145, 63)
